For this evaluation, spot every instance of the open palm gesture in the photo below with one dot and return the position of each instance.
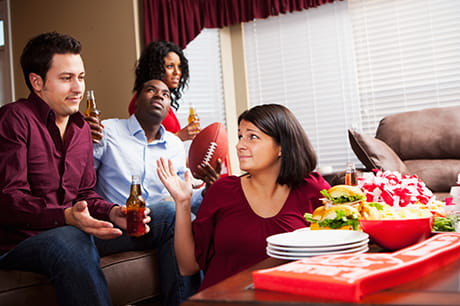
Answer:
(180, 190)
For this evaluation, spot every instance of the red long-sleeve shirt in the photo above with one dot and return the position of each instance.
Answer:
(41, 174)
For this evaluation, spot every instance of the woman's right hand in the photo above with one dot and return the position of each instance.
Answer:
(180, 190)
(96, 128)
(190, 131)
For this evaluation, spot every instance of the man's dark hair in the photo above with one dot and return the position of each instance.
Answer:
(151, 66)
(298, 158)
(39, 51)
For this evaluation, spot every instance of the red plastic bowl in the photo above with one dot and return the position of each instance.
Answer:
(397, 234)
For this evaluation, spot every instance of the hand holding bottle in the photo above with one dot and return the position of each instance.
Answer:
(193, 128)
(119, 216)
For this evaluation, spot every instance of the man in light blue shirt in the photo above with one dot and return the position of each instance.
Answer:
(124, 151)
(132, 147)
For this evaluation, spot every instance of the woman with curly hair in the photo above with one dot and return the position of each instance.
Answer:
(166, 61)
(160, 60)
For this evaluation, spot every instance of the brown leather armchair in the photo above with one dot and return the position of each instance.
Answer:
(132, 277)
(425, 143)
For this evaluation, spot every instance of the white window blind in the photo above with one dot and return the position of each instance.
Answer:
(205, 90)
(304, 60)
(407, 55)
(350, 63)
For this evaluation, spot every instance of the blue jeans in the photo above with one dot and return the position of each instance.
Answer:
(174, 287)
(68, 256)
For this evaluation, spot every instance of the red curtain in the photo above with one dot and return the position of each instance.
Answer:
(180, 21)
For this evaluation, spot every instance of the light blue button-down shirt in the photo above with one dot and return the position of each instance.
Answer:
(124, 151)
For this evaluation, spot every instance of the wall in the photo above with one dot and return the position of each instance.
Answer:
(235, 89)
(108, 31)
(6, 84)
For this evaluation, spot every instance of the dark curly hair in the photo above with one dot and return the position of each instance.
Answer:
(39, 51)
(151, 66)
(298, 157)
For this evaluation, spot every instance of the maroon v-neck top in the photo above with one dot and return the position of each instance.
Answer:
(230, 237)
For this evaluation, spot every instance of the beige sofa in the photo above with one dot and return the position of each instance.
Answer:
(132, 277)
(424, 142)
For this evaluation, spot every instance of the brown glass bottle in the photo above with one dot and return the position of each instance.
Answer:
(91, 110)
(135, 209)
(351, 175)
(193, 116)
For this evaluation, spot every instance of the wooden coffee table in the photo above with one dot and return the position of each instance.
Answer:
(438, 288)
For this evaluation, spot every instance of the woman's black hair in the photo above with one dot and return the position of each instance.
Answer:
(298, 158)
(151, 66)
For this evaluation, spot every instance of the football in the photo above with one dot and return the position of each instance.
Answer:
(208, 146)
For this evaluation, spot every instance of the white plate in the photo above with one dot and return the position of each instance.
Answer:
(303, 254)
(302, 229)
(321, 248)
(286, 257)
(317, 238)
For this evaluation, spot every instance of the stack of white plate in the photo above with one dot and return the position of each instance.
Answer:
(305, 243)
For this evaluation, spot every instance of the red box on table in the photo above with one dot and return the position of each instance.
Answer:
(347, 277)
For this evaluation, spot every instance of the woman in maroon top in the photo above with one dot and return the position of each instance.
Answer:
(239, 213)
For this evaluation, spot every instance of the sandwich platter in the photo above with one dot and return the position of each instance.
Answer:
(301, 244)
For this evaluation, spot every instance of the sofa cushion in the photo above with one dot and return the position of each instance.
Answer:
(374, 153)
(21, 288)
(432, 133)
(131, 277)
(438, 174)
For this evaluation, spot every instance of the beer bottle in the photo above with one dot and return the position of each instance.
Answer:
(91, 110)
(193, 116)
(135, 209)
(351, 175)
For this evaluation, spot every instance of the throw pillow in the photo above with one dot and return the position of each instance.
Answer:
(374, 153)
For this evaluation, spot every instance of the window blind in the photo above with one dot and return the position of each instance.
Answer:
(205, 90)
(304, 60)
(350, 63)
(407, 56)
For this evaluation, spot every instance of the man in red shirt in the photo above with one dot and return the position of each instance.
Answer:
(50, 212)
